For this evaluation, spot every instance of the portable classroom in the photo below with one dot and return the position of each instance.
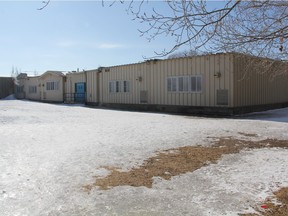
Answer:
(32, 88)
(221, 84)
(225, 83)
(51, 86)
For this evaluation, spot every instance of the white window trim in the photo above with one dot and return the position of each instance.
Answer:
(112, 86)
(197, 76)
(126, 86)
(172, 79)
(56, 86)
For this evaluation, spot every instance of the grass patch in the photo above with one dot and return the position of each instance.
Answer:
(177, 161)
(269, 208)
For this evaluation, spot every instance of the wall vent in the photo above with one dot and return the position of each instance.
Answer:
(143, 96)
(222, 97)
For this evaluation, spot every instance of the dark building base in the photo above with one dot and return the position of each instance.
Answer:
(190, 110)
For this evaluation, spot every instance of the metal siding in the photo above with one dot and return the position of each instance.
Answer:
(257, 88)
(154, 80)
(231, 77)
(162, 73)
(207, 81)
(32, 81)
(198, 72)
(182, 72)
(91, 79)
(211, 79)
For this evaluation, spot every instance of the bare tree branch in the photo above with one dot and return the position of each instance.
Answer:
(45, 4)
(230, 27)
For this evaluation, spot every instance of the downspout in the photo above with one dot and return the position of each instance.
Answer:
(85, 86)
(98, 73)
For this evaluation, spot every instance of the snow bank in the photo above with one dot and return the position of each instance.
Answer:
(10, 97)
(279, 115)
(49, 152)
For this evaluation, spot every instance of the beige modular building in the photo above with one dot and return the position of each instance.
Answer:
(49, 87)
(225, 83)
(31, 88)
(221, 84)
(76, 90)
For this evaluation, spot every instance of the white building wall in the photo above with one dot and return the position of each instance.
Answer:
(56, 95)
(32, 83)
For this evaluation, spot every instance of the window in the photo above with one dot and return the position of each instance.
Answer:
(184, 84)
(32, 89)
(20, 89)
(172, 84)
(126, 86)
(112, 87)
(119, 86)
(196, 83)
(52, 86)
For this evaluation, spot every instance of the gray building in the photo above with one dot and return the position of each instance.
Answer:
(6, 87)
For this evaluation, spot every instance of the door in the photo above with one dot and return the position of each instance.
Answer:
(80, 92)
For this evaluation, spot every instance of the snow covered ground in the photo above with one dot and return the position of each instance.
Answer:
(49, 152)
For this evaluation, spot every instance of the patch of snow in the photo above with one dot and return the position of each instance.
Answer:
(10, 97)
(277, 115)
(49, 152)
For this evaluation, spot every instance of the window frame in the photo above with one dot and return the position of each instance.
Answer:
(126, 86)
(32, 89)
(174, 84)
(119, 86)
(52, 86)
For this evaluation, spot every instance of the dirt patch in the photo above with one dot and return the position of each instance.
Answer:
(174, 162)
(269, 208)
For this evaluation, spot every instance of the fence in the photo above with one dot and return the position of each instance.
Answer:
(75, 97)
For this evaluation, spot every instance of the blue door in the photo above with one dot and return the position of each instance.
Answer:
(80, 92)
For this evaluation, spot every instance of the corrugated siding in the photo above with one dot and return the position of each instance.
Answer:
(154, 76)
(253, 87)
(6, 87)
(92, 86)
